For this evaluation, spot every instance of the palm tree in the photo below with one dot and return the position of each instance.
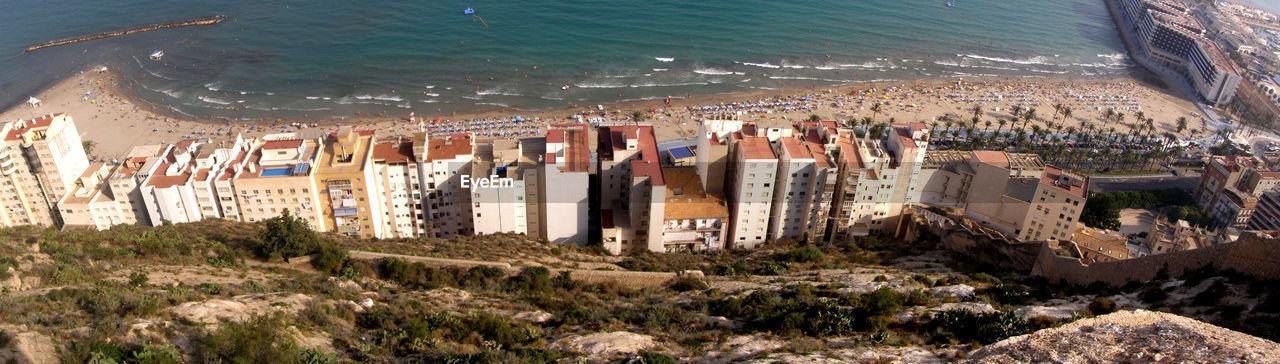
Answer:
(977, 111)
(1057, 109)
(1002, 123)
(875, 109)
(1017, 111)
(1120, 117)
(1066, 113)
(1109, 114)
(1182, 123)
(973, 122)
(1029, 115)
(88, 146)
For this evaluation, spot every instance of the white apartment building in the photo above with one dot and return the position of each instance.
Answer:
(40, 161)
(751, 192)
(447, 206)
(566, 166)
(395, 168)
(498, 202)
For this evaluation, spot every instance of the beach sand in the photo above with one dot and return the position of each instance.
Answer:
(115, 123)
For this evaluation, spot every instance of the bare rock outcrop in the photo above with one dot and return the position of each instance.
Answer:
(605, 344)
(1137, 336)
(239, 308)
(27, 346)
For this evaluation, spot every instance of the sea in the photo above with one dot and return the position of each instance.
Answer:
(321, 58)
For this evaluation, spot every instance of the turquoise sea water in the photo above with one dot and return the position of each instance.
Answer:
(288, 58)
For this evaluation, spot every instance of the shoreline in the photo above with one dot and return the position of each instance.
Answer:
(116, 119)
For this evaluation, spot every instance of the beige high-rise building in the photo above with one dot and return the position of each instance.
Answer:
(349, 202)
(40, 161)
(279, 176)
(877, 178)
(803, 173)
(751, 192)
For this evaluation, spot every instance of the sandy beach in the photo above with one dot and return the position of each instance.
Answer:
(114, 122)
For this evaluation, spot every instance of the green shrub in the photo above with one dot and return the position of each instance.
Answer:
(987, 278)
(967, 326)
(1153, 295)
(687, 283)
(531, 279)
(259, 339)
(138, 278)
(805, 255)
(331, 259)
(881, 302)
(1102, 306)
(286, 236)
(1211, 295)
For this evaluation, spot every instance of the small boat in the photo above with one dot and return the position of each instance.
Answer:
(565, 87)
(155, 56)
(468, 11)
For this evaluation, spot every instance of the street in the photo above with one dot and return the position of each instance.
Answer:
(1139, 183)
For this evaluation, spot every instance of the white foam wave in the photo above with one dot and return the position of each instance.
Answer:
(765, 65)
(379, 97)
(1032, 60)
(213, 100)
(214, 86)
(659, 69)
(172, 93)
(664, 59)
(713, 71)
(498, 91)
(432, 94)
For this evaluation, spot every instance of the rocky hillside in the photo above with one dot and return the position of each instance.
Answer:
(1137, 336)
(221, 291)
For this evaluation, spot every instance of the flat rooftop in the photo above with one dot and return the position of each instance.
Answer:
(686, 199)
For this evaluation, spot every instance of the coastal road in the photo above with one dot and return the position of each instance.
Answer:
(1141, 182)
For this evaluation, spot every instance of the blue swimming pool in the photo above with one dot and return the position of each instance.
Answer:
(273, 172)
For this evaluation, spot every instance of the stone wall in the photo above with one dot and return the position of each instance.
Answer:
(1255, 253)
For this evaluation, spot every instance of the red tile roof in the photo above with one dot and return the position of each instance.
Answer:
(795, 148)
(849, 152)
(1051, 175)
(394, 153)
(283, 144)
(756, 148)
(992, 157)
(449, 148)
(648, 164)
(39, 122)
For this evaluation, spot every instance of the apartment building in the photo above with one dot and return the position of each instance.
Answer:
(1230, 188)
(40, 161)
(566, 169)
(948, 175)
(447, 204)
(395, 170)
(279, 176)
(751, 192)
(344, 173)
(1266, 214)
(876, 178)
(804, 170)
(499, 204)
(1171, 38)
(692, 219)
(634, 190)
(124, 187)
(77, 207)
